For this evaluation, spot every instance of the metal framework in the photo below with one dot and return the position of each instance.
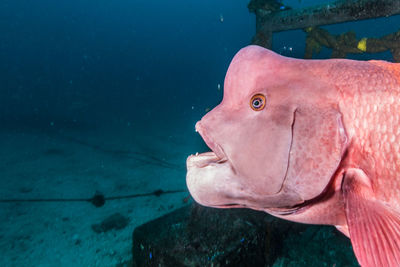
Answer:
(274, 17)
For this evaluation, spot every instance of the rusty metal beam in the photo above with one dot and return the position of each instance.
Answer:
(332, 13)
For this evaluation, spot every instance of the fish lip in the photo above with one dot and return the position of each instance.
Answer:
(215, 148)
(201, 160)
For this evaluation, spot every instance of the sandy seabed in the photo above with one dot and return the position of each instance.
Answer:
(71, 163)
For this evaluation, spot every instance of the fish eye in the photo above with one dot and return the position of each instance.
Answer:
(257, 102)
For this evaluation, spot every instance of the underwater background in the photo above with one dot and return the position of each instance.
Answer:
(102, 96)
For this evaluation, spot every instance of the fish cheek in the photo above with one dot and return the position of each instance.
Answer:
(260, 151)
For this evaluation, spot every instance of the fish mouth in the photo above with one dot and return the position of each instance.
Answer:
(216, 156)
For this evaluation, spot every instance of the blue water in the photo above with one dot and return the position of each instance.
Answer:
(138, 60)
(81, 81)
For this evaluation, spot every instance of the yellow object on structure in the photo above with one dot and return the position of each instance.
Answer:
(362, 44)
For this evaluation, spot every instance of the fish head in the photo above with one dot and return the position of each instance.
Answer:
(276, 140)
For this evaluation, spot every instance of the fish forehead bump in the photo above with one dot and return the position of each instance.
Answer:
(254, 53)
(250, 62)
(252, 68)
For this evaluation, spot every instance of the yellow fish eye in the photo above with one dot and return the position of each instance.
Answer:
(258, 102)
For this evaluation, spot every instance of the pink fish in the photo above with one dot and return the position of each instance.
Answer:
(311, 141)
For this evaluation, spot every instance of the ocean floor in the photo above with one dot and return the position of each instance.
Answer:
(57, 162)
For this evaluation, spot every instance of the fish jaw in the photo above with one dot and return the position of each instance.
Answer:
(208, 178)
(214, 183)
(209, 173)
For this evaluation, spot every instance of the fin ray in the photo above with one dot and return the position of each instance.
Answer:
(373, 226)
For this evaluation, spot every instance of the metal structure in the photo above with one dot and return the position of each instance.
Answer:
(272, 16)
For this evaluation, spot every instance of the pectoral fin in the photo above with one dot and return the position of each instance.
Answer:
(374, 227)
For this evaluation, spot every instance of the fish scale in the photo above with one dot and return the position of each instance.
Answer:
(370, 121)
